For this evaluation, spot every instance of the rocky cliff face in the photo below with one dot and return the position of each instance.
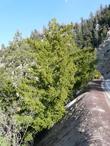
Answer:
(103, 58)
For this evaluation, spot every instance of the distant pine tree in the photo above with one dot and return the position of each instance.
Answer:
(92, 32)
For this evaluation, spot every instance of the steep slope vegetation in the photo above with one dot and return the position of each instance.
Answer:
(38, 76)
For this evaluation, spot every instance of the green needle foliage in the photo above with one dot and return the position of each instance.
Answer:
(45, 91)
(37, 78)
(87, 34)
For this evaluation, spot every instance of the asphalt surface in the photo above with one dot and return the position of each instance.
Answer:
(87, 122)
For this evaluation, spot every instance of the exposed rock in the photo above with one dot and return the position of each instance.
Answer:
(103, 57)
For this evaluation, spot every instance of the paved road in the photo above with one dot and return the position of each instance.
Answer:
(87, 122)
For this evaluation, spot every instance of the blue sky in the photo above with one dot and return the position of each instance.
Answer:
(26, 15)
